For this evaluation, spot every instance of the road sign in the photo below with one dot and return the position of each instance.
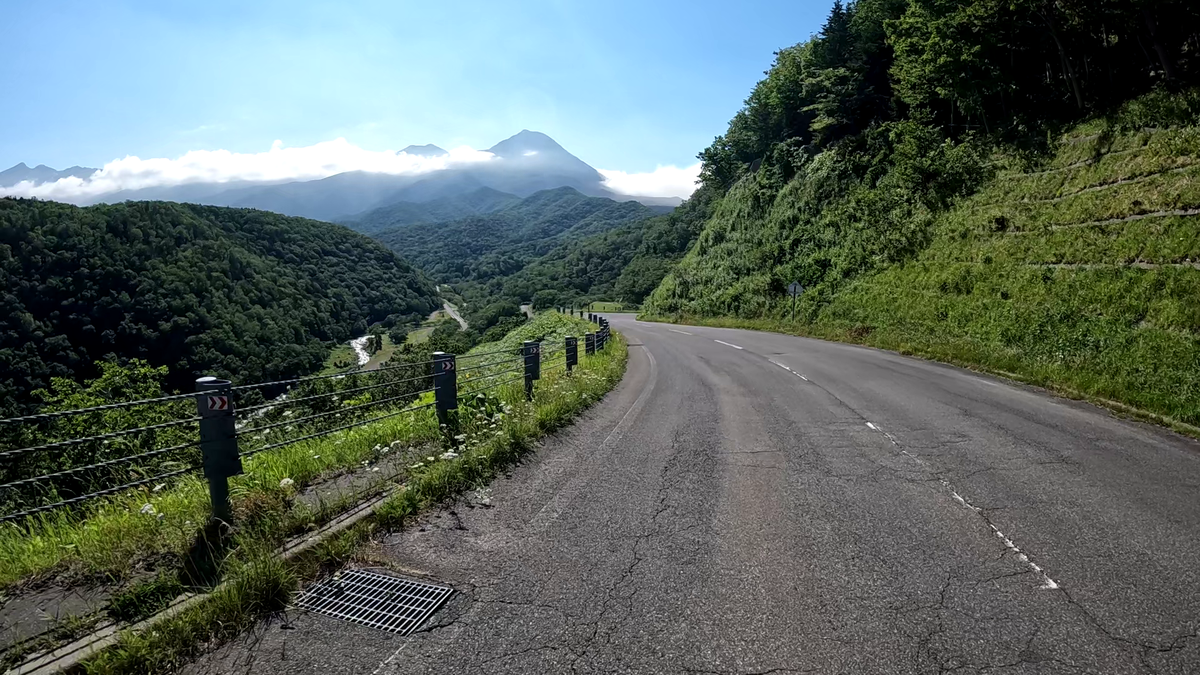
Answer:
(447, 365)
(794, 289)
(218, 403)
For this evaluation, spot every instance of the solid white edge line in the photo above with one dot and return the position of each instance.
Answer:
(728, 344)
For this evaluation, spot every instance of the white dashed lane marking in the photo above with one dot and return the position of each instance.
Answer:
(681, 332)
(1047, 582)
(727, 344)
(784, 367)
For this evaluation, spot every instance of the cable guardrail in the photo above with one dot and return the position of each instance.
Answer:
(290, 441)
(339, 393)
(100, 465)
(99, 437)
(78, 474)
(339, 411)
(43, 417)
(331, 376)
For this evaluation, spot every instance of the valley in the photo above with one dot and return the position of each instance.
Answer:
(905, 380)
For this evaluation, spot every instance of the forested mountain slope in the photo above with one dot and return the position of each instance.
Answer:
(852, 166)
(502, 242)
(558, 245)
(202, 290)
(454, 207)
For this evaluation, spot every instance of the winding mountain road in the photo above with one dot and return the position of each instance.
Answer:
(756, 503)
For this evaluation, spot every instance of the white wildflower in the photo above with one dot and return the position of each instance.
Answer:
(449, 454)
(430, 459)
(375, 469)
(147, 509)
(460, 438)
(161, 516)
(159, 487)
(286, 483)
(417, 465)
(316, 457)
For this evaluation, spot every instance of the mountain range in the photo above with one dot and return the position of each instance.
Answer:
(522, 165)
(40, 174)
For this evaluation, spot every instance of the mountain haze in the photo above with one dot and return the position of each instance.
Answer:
(521, 165)
(40, 174)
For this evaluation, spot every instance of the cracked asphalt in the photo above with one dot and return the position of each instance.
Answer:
(798, 506)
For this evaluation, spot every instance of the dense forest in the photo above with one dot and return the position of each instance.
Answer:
(623, 264)
(246, 294)
(859, 136)
(478, 255)
(452, 207)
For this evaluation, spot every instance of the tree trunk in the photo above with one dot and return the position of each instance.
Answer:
(1167, 63)
(1066, 62)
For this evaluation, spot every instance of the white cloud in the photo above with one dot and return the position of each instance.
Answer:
(664, 181)
(220, 166)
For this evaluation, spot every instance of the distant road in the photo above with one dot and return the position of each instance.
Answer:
(453, 312)
(749, 503)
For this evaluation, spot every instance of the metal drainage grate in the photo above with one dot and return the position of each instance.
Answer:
(377, 600)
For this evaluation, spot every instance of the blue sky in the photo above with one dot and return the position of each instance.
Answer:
(623, 85)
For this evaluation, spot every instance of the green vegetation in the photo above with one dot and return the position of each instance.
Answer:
(626, 262)
(201, 290)
(852, 166)
(454, 207)
(497, 261)
(494, 430)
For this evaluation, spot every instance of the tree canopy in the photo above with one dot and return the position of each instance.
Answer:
(240, 293)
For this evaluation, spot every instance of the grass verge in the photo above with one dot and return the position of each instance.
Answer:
(490, 432)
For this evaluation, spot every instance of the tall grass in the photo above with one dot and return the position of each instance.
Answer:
(491, 431)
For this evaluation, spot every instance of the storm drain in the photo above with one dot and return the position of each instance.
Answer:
(377, 600)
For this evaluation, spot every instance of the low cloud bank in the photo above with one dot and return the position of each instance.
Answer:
(222, 166)
(282, 164)
(664, 181)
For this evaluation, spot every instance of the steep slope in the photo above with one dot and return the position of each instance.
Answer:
(482, 247)
(483, 200)
(623, 264)
(202, 290)
(1084, 272)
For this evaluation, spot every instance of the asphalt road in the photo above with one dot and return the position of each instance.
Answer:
(755, 503)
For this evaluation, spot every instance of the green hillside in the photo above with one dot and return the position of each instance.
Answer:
(201, 290)
(1085, 273)
(624, 263)
(454, 207)
(926, 170)
(477, 255)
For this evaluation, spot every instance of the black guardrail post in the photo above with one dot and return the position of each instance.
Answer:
(572, 352)
(533, 365)
(445, 383)
(589, 344)
(218, 442)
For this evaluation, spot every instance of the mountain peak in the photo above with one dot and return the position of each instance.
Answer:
(429, 150)
(528, 143)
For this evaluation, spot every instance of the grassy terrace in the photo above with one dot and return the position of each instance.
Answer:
(120, 536)
(1081, 275)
